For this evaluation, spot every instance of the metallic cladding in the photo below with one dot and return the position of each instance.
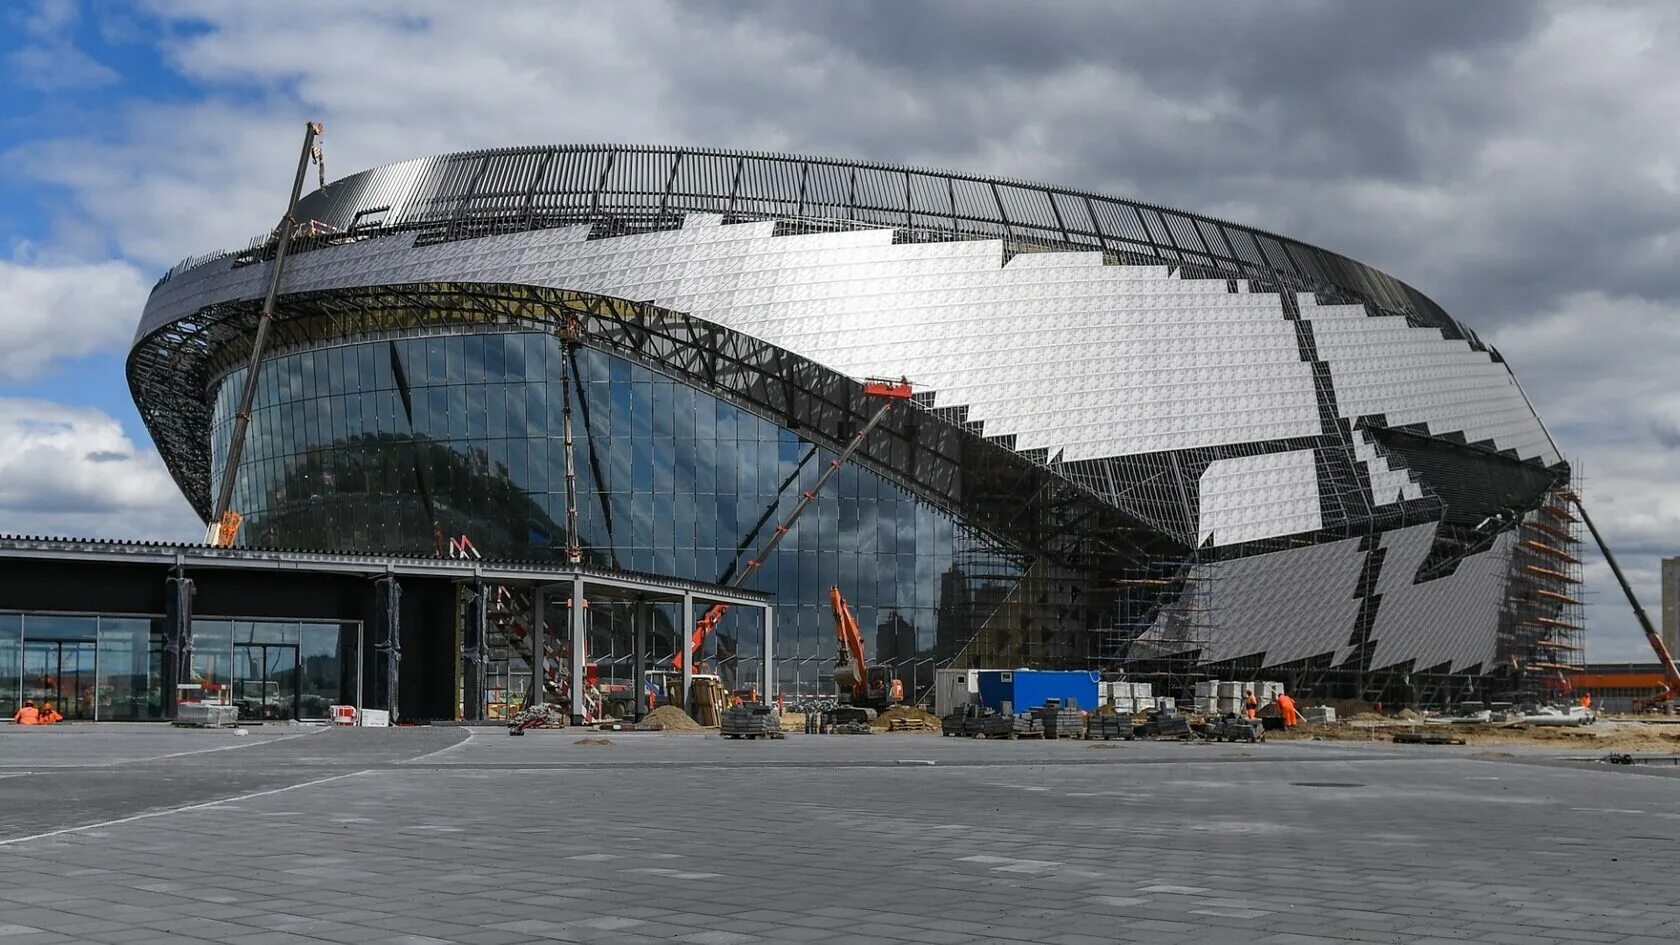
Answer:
(1231, 388)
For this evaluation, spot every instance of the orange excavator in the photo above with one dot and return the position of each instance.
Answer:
(864, 689)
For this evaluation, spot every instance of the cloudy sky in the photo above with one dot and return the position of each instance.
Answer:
(1519, 162)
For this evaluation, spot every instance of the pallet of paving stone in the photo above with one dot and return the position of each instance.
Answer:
(1060, 722)
(1427, 738)
(910, 725)
(1108, 726)
(753, 720)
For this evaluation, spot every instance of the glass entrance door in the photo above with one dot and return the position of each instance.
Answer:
(265, 681)
(60, 672)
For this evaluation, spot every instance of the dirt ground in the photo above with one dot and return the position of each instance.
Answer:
(1604, 735)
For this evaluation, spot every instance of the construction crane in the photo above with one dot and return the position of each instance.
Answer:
(889, 392)
(867, 688)
(1665, 660)
(224, 522)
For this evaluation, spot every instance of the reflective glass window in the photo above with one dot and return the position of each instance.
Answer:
(11, 663)
(130, 658)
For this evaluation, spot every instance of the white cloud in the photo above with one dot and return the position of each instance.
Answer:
(1599, 369)
(72, 471)
(50, 312)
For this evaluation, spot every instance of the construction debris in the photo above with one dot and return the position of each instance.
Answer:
(541, 716)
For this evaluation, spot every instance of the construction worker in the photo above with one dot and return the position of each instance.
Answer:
(1251, 705)
(28, 715)
(1286, 706)
(49, 715)
(1586, 700)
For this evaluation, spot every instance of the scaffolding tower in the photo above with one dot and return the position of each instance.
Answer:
(1167, 620)
(1542, 641)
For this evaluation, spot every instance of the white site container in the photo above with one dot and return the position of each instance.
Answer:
(375, 718)
(954, 688)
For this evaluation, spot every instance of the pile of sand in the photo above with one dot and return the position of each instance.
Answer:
(885, 719)
(674, 719)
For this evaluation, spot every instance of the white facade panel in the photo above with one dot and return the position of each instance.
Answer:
(1254, 497)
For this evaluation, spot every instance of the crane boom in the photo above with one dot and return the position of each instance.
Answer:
(1665, 660)
(224, 523)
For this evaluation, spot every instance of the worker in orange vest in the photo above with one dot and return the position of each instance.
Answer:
(49, 715)
(1286, 705)
(1251, 705)
(1586, 700)
(28, 715)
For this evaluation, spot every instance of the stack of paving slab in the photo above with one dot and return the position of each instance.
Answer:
(1226, 697)
(1060, 721)
(206, 715)
(1106, 725)
(751, 720)
(1127, 698)
(1321, 714)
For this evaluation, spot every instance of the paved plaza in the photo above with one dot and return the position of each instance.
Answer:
(114, 834)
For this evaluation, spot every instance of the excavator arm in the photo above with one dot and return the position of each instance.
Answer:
(850, 664)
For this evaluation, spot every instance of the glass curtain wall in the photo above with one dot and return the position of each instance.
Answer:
(11, 664)
(381, 445)
(276, 670)
(110, 668)
(90, 668)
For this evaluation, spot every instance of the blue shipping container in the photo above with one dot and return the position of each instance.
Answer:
(1028, 688)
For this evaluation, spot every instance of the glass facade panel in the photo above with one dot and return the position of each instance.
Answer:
(212, 659)
(130, 656)
(669, 479)
(11, 664)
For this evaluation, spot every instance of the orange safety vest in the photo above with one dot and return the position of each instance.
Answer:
(1286, 705)
(28, 715)
(49, 717)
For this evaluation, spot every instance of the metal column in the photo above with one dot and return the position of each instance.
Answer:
(539, 645)
(767, 641)
(474, 652)
(178, 639)
(579, 654)
(687, 658)
(388, 637)
(638, 650)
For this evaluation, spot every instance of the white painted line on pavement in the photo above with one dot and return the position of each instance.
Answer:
(434, 754)
(251, 743)
(180, 810)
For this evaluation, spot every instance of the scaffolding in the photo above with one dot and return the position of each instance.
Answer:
(1542, 640)
(1167, 620)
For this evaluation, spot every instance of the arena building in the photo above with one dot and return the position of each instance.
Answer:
(1142, 440)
